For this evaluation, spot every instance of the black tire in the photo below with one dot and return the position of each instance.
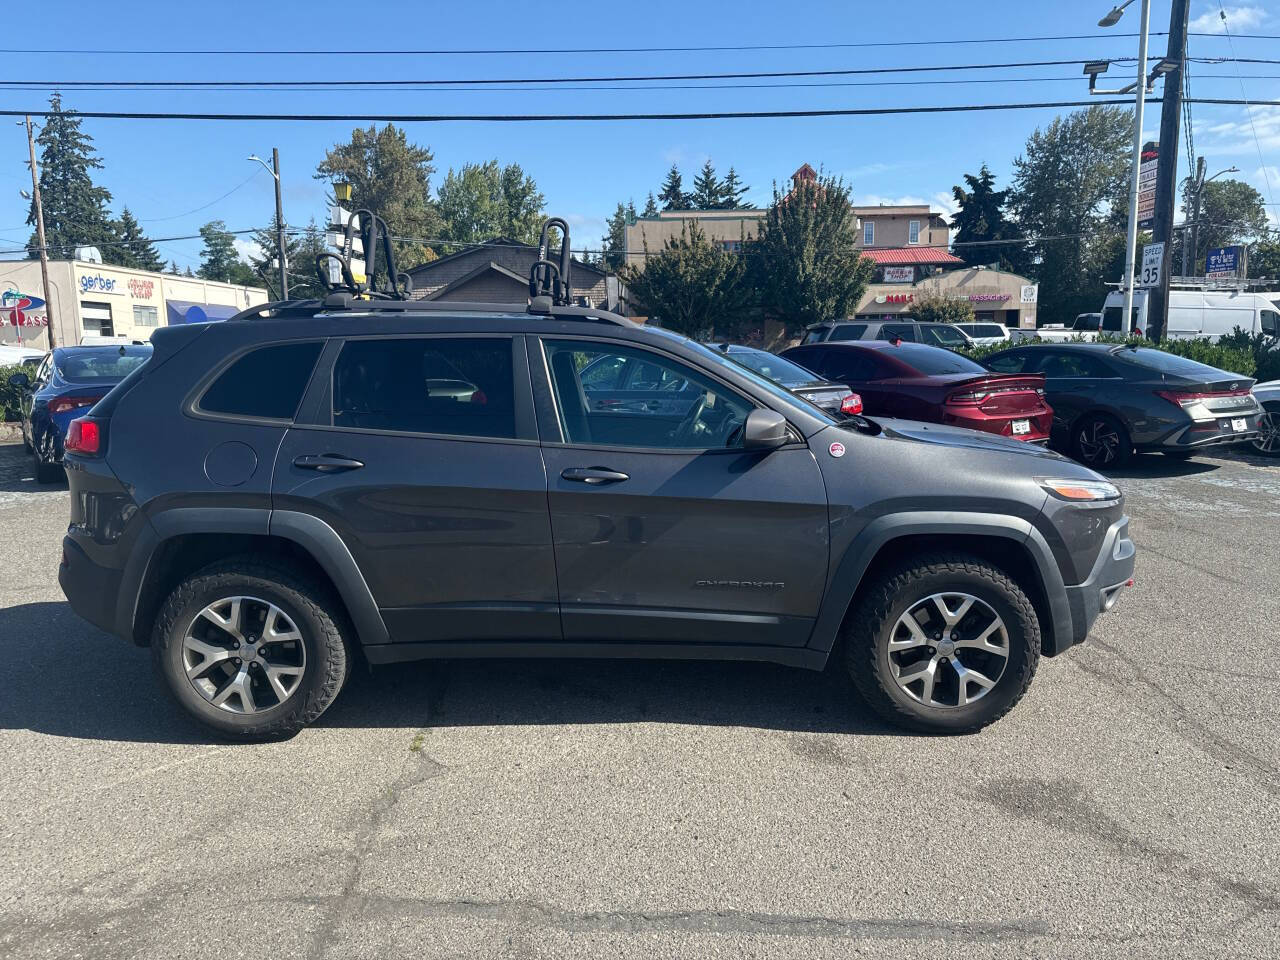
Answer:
(317, 616)
(871, 624)
(1268, 443)
(1100, 441)
(45, 472)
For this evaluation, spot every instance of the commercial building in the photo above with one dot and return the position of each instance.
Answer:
(994, 294)
(95, 298)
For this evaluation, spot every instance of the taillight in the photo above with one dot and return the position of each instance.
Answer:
(63, 404)
(84, 437)
(851, 405)
(1188, 398)
(969, 398)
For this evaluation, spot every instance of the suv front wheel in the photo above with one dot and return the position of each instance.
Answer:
(943, 644)
(252, 650)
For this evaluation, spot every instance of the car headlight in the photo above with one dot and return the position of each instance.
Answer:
(1079, 491)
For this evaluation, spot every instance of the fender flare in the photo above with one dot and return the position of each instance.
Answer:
(310, 533)
(852, 568)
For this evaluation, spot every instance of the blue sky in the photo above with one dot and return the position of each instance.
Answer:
(164, 170)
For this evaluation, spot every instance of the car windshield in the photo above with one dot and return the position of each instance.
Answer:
(1088, 321)
(101, 364)
(1170, 363)
(720, 360)
(775, 368)
(943, 335)
(932, 360)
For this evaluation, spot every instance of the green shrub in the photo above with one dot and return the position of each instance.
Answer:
(1228, 354)
(9, 396)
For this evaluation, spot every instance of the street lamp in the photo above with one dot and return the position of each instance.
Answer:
(274, 169)
(1197, 186)
(1139, 88)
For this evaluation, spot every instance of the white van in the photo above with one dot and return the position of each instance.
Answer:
(1197, 313)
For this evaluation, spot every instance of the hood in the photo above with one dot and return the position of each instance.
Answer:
(947, 436)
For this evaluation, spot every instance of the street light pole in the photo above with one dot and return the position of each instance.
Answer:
(1198, 186)
(44, 249)
(1139, 105)
(274, 170)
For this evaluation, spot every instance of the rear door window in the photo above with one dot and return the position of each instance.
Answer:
(1012, 363)
(450, 386)
(1074, 366)
(266, 383)
(898, 331)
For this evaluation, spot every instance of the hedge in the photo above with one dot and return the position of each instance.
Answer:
(1249, 356)
(9, 396)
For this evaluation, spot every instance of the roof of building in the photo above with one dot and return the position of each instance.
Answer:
(430, 265)
(910, 256)
(472, 275)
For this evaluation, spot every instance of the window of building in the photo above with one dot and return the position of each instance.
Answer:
(452, 386)
(656, 402)
(96, 318)
(913, 231)
(869, 233)
(731, 246)
(267, 383)
(144, 316)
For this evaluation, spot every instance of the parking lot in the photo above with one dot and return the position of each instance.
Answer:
(590, 809)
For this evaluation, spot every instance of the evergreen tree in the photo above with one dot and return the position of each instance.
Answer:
(981, 219)
(650, 206)
(75, 208)
(732, 191)
(707, 193)
(304, 280)
(672, 194)
(615, 240)
(173, 269)
(219, 260)
(135, 249)
(265, 265)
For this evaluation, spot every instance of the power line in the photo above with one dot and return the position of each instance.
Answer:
(178, 216)
(535, 51)
(1266, 176)
(598, 117)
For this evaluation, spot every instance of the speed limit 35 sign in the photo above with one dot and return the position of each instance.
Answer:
(1152, 265)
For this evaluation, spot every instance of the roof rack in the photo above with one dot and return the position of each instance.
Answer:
(546, 278)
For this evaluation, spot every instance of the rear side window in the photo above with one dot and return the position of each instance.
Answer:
(1012, 363)
(849, 331)
(899, 331)
(452, 386)
(815, 336)
(1271, 323)
(266, 383)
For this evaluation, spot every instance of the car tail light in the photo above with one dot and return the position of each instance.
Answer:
(84, 437)
(968, 397)
(851, 405)
(1187, 398)
(63, 404)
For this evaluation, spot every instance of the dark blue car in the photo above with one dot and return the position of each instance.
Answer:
(65, 385)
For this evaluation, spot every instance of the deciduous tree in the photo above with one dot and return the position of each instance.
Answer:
(481, 201)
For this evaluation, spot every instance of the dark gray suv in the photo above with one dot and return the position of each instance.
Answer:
(269, 499)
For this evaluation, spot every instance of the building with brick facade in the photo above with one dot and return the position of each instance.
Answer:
(497, 271)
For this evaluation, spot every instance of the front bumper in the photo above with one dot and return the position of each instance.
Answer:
(1112, 572)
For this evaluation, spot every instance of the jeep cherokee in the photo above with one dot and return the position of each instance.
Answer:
(269, 498)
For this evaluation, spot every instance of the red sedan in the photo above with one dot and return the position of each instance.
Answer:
(915, 381)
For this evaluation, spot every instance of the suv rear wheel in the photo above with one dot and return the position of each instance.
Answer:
(943, 644)
(252, 650)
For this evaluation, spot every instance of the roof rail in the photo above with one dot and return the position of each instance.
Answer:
(344, 302)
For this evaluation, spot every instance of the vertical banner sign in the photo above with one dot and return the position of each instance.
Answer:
(1152, 265)
(1147, 185)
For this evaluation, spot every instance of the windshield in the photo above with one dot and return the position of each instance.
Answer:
(1088, 321)
(930, 360)
(1171, 363)
(764, 383)
(775, 368)
(101, 364)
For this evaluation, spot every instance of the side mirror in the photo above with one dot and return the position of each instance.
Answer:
(19, 380)
(764, 430)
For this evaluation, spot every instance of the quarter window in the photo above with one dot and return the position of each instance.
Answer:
(655, 402)
(265, 383)
(443, 385)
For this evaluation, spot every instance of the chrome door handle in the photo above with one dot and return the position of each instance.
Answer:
(326, 463)
(593, 475)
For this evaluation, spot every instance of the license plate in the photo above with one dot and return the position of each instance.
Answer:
(1020, 427)
(1239, 424)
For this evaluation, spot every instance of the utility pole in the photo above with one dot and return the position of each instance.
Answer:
(44, 250)
(1140, 97)
(1167, 165)
(1191, 233)
(284, 268)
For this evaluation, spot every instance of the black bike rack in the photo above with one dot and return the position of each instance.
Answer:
(374, 233)
(548, 278)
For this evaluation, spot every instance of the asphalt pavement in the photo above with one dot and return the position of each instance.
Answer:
(1128, 807)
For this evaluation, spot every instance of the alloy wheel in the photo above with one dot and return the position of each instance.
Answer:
(948, 650)
(1099, 442)
(244, 655)
(1268, 439)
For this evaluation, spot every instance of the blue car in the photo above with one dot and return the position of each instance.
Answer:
(65, 385)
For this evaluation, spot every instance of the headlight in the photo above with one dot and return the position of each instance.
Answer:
(1080, 491)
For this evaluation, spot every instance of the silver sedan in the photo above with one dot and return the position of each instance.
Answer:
(1268, 440)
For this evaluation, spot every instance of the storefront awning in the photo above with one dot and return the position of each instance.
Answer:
(184, 311)
(911, 256)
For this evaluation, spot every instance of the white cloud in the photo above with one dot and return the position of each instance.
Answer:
(1236, 137)
(585, 231)
(247, 249)
(943, 201)
(1238, 18)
